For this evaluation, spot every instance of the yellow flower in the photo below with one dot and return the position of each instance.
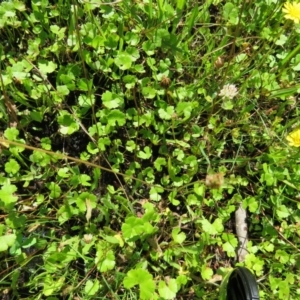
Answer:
(294, 138)
(292, 11)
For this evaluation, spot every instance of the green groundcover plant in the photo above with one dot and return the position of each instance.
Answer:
(130, 133)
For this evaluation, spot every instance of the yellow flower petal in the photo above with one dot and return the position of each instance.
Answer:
(292, 11)
(294, 138)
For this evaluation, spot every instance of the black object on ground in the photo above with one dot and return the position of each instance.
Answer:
(242, 285)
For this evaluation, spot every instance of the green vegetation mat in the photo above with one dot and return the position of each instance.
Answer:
(130, 133)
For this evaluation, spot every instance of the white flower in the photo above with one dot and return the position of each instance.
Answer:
(228, 91)
(88, 238)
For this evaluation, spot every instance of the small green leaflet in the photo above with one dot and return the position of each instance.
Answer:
(143, 279)
(46, 66)
(230, 244)
(178, 237)
(112, 100)
(7, 241)
(7, 198)
(168, 291)
(206, 272)
(92, 287)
